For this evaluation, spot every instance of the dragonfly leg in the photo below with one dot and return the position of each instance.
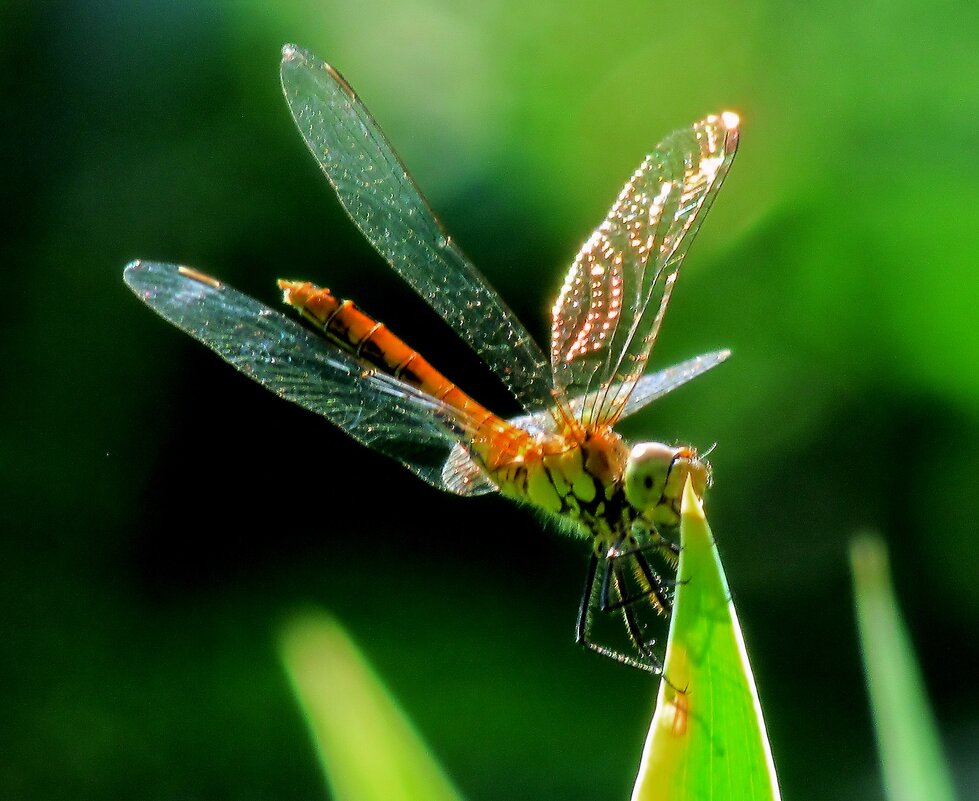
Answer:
(647, 660)
(670, 546)
(644, 646)
(655, 590)
(581, 628)
(668, 549)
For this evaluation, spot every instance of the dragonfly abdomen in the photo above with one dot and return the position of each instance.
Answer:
(359, 333)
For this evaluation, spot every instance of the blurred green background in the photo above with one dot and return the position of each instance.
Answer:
(162, 515)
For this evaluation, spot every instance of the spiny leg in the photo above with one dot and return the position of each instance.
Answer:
(581, 628)
(584, 617)
(668, 549)
(656, 589)
(649, 661)
(655, 583)
(644, 646)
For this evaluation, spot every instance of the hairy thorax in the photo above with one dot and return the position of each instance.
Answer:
(578, 481)
(584, 483)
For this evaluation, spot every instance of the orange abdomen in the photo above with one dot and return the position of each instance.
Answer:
(370, 340)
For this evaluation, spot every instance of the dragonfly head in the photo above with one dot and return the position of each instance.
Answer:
(654, 477)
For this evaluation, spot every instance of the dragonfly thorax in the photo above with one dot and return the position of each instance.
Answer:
(601, 485)
(577, 479)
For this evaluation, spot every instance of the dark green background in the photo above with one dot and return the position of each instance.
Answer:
(162, 516)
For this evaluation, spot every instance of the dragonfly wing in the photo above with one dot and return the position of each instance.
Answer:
(462, 474)
(656, 385)
(646, 390)
(389, 209)
(376, 409)
(607, 316)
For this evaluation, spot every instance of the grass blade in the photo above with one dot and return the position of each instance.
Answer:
(368, 749)
(910, 751)
(708, 741)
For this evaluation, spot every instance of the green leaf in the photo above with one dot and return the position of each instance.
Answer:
(368, 749)
(707, 739)
(910, 751)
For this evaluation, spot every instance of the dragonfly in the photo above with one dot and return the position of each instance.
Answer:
(562, 455)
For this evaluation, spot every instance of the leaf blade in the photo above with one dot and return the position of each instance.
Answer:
(707, 738)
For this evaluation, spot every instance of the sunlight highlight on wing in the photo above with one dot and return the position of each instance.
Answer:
(614, 297)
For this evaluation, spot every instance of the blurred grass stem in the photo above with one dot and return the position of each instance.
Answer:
(911, 757)
(368, 749)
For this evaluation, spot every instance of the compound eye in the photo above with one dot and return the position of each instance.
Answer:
(646, 473)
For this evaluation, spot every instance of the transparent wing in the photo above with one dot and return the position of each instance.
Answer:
(656, 385)
(607, 316)
(461, 469)
(376, 409)
(388, 208)
(463, 476)
(645, 391)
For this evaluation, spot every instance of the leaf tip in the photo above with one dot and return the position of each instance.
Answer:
(691, 506)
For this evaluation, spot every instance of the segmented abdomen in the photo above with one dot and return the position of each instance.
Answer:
(370, 340)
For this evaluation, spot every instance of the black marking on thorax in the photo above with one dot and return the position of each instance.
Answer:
(603, 516)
